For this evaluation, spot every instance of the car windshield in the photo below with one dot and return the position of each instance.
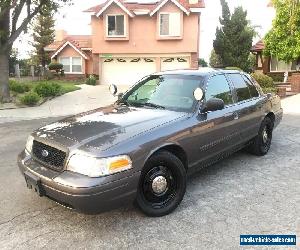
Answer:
(173, 92)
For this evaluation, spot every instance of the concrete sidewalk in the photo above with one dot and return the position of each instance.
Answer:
(91, 97)
(87, 98)
(291, 105)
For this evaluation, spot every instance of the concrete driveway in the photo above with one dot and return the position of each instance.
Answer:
(87, 98)
(243, 194)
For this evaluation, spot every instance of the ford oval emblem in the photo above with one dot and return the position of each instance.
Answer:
(45, 153)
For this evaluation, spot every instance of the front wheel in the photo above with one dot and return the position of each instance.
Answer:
(162, 184)
(261, 144)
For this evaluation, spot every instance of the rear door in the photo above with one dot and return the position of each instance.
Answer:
(249, 105)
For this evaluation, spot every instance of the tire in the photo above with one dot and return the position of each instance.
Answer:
(162, 184)
(261, 144)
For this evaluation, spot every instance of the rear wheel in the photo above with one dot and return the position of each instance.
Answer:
(261, 144)
(162, 184)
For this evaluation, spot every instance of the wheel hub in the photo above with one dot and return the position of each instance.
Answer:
(159, 184)
(265, 135)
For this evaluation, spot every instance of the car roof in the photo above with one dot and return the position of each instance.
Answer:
(196, 72)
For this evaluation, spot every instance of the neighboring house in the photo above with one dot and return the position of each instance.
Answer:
(271, 65)
(133, 38)
(74, 52)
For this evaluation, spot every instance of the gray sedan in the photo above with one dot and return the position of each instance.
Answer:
(142, 147)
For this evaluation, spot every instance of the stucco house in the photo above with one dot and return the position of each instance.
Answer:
(132, 38)
(271, 65)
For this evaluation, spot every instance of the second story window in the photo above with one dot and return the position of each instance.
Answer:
(169, 24)
(115, 25)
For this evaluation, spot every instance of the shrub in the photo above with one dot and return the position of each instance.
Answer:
(48, 75)
(270, 90)
(234, 68)
(30, 98)
(277, 77)
(45, 89)
(266, 82)
(263, 80)
(55, 66)
(91, 80)
(18, 87)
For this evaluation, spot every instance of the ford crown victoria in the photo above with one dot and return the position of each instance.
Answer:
(142, 147)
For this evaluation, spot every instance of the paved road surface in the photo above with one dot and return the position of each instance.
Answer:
(241, 195)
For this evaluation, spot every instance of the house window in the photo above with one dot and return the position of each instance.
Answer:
(115, 25)
(169, 24)
(65, 61)
(76, 65)
(281, 66)
(71, 64)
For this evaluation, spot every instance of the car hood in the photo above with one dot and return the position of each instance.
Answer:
(105, 127)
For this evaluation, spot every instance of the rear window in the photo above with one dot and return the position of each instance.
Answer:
(241, 87)
(251, 86)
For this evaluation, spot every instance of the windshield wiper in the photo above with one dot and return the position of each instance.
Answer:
(124, 102)
(153, 105)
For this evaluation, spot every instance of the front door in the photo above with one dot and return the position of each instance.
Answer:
(216, 131)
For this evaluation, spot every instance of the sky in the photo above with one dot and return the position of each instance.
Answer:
(75, 22)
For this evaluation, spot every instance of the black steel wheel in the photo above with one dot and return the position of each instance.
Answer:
(162, 184)
(261, 144)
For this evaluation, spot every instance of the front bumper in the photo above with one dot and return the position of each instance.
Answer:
(85, 194)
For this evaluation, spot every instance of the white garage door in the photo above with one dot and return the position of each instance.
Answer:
(126, 71)
(175, 63)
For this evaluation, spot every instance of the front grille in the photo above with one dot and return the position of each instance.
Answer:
(50, 156)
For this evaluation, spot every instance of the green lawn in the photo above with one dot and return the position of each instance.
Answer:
(39, 91)
(66, 86)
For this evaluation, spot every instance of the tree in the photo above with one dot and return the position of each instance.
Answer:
(13, 60)
(11, 27)
(202, 62)
(43, 35)
(283, 40)
(215, 60)
(234, 38)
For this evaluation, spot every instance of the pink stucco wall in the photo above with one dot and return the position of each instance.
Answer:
(142, 34)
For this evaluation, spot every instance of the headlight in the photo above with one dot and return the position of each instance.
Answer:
(29, 143)
(96, 167)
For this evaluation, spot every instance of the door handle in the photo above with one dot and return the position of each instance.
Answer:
(235, 115)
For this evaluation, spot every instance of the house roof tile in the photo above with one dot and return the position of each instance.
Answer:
(81, 41)
(71, 42)
(149, 6)
(259, 46)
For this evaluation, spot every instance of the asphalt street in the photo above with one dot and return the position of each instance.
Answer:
(243, 194)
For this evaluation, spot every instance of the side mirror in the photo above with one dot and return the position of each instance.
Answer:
(213, 104)
(113, 89)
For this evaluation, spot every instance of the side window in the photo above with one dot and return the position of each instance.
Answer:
(218, 87)
(251, 86)
(241, 87)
